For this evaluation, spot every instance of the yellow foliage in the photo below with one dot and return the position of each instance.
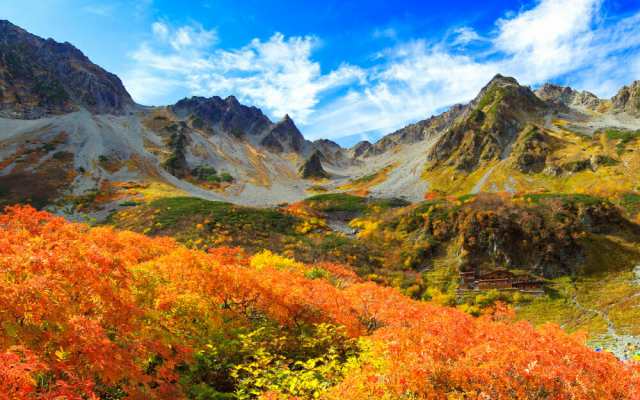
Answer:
(269, 259)
(311, 224)
(366, 227)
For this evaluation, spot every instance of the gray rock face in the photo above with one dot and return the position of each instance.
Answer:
(327, 146)
(287, 134)
(312, 168)
(488, 126)
(231, 117)
(227, 115)
(361, 148)
(413, 133)
(628, 99)
(566, 96)
(332, 151)
(42, 77)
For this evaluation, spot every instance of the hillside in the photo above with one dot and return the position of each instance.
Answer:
(89, 139)
(584, 250)
(220, 254)
(225, 325)
(512, 139)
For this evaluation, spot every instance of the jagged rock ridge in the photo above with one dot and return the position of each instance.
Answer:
(506, 124)
(312, 168)
(567, 96)
(489, 126)
(41, 77)
(628, 99)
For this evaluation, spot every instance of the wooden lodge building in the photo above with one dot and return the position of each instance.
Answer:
(500, 279)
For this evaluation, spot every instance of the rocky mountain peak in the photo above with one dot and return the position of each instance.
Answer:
(500, 79)
(226, 115)
(327, 143)
(230, 116)
(506, 90)
(312, 167)
(40, 77)
(284, 134)
(566, 96)
(232, 102)
(488, 126)
(552, 92)
(361, 148)
(628, 99)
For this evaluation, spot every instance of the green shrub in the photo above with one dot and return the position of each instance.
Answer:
(226, 177)
(332, 202)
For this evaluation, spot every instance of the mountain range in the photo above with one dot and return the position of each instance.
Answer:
(223, 255)
(69, 128)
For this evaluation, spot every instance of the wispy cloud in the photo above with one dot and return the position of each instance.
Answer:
(278, 74)
(188, 37)
(465, 35)
(100, 9)
(386, 33)
(112, 8)
(555, 40)
(563, 40)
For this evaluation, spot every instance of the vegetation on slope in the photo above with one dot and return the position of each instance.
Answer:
(97, 313)
(550, 159)
(203, 223)
(421, 249)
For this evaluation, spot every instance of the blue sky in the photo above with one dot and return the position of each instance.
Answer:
(345, 70)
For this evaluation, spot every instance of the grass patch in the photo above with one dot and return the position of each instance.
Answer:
(630, 200)
(623, 137)
(565, 198)
(343, 202)
(466, 197)
(174, 210)
(336, 202)
(365, 179)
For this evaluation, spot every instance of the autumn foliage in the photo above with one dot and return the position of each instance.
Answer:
(98, 313)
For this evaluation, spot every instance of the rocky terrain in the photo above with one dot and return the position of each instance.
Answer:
(541, 183)
(43, 77)
(70, 129)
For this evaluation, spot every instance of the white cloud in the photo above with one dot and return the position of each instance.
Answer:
(184, 37)
(416, 81)
(160, 30)
(566, 41)
(554, 40)
(103, 10)
(465, 35)
(548, 40)
(145, 86)
(387, 33)
(277, 75)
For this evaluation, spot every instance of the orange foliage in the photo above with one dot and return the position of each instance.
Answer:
(86, 306)
(16, 368)
(431, 195)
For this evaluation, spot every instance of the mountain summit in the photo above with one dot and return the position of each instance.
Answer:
(628, 99)
(489, 126)
(41, 77)
(96, 139)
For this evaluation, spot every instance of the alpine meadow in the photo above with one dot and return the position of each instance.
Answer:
(321, 200)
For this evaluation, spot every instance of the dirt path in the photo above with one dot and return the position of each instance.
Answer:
(616, 343)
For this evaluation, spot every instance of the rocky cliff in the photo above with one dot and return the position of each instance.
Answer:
(41, 77)
(489, 126)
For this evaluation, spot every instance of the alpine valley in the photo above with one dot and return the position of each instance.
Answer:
(521, 197)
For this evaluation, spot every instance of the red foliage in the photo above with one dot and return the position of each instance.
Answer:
(83, 306)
